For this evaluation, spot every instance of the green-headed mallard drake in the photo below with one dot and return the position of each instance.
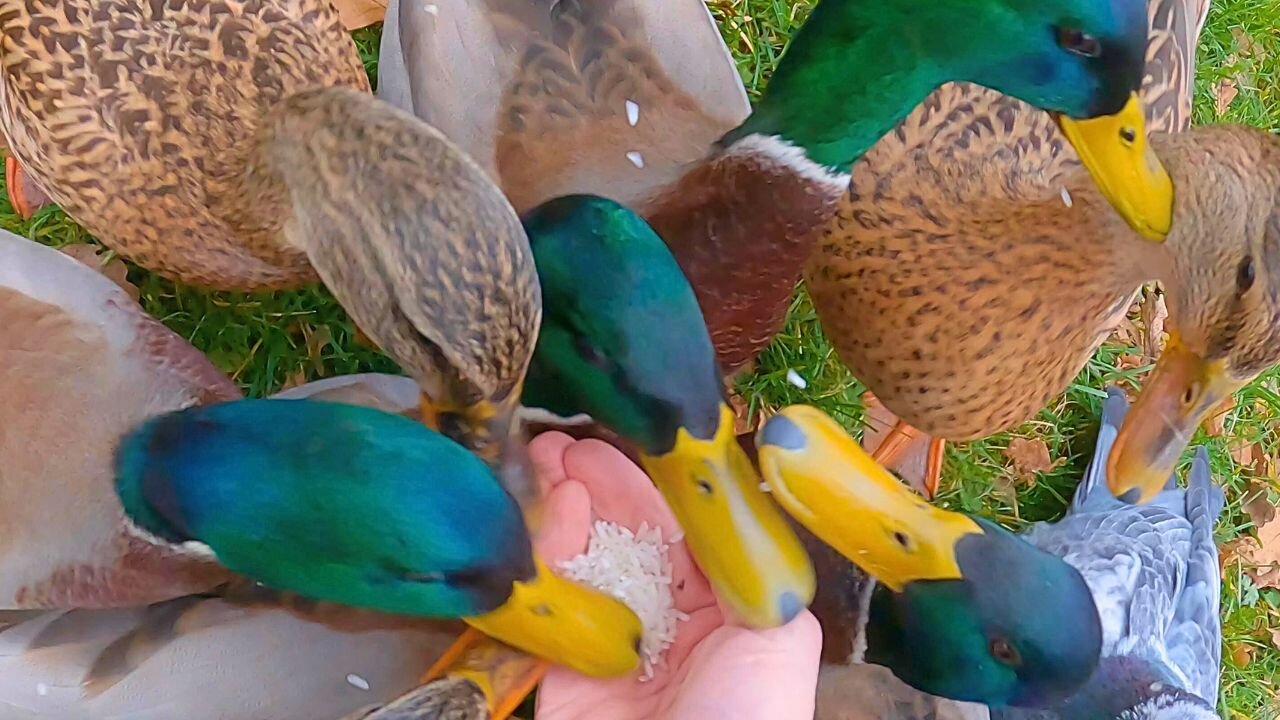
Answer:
(351, 505)
(973, 268)
(81, 364)
(960, 607)
(640, 101)
(288, 164)
(1154, 573)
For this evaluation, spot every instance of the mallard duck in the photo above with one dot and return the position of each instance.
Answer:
(640, 101)
(208, 658)
(1153, 570)
(288, 165)
(82, 363)
(960, 607)
(349, 517)
(973, 268)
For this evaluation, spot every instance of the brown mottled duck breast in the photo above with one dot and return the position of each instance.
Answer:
(973, 268)
(141, 124)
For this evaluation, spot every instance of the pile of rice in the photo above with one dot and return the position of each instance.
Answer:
(636, 569)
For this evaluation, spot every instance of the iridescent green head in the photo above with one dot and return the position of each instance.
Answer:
(1018, 627)
(624, 341)
(857, 68)
(622, 338)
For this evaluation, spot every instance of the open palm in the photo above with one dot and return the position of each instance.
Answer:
(714, 668)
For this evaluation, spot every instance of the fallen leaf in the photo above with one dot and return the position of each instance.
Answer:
(1241, 654)
(294, 380)
(1029, 457)
(1260, 555)
(1247, 45)
(1275, 638)
(741, 415)
(317, 338)
(1153, 312)
(1257, 505)
(104, 262)
(356, 14)
(1126, 333)
(1224, 93)
(1004, 487)
(1245, 453)
(1129, 361)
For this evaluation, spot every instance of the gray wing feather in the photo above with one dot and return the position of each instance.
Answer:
(1152, 569)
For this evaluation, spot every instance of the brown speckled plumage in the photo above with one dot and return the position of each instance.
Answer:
(972, 268)
(624, 99)
(234, 145)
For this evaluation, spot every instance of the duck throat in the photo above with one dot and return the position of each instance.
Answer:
(852, 73)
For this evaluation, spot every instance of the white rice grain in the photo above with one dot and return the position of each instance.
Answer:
(636, 569)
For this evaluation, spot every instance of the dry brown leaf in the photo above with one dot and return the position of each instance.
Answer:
(742, 421)
(1241, 654)
(1153, 312)
(1006, 488)
(1029, 457)
(1224, 93)
(1260, 555)
(1247, 45)
(1245, 453)
(1129, 361)
(1126, 333)
(317, 339)
(1257, 505)
(360, 13)
(294, 380)
(113, 267)
(1275, 637)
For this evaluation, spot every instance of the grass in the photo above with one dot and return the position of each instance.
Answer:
(266, 341)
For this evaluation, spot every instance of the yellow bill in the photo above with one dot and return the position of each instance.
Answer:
(566, 623)
(1115, 150)
(739, 538)
(1180, 393)
(833, 487)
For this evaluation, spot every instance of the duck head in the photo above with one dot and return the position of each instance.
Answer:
(623, 341)
(856, 69)
(1223, 289)
(350, 505)
(965, 609)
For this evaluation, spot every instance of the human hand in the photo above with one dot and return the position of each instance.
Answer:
(714, 668)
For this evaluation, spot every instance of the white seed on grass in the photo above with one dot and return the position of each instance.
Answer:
(794, 378)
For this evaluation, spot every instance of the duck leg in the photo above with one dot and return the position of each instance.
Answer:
(915, 456)
(24, 196)
(477, 678)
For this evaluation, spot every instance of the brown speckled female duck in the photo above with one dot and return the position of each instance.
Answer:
(236, 146)
(640, 101)
(973, 269)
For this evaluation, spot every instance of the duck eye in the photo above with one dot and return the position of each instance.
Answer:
(1245, 274)
(1004, 652)
(1081, 43)
(1191, 394)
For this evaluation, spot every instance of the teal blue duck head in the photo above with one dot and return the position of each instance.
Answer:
(350, 505)
(964, 609)
(624, 341)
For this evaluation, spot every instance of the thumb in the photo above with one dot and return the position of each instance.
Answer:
(746, 674)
